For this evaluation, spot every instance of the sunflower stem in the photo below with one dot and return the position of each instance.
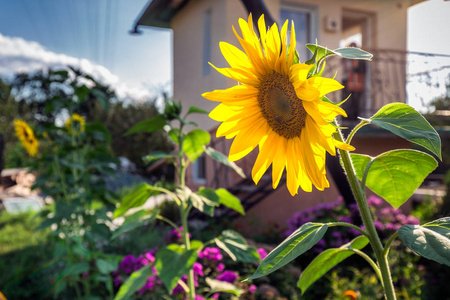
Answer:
(355, 129)
(367, 219)
(184, 213)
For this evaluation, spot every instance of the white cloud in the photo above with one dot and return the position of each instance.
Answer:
(19, 55)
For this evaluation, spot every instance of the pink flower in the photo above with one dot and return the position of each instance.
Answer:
(262, 253)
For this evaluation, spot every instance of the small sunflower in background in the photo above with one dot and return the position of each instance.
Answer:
(26, 137)
(277, 107)
(75, 123)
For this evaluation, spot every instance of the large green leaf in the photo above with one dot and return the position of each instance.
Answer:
(194, 142)
(431, 240)
(295, 245)
(402, 120)
(236, 247)
(138, 219)
(134, 283)
(229, 200)
(220, 157)
(134, 199)
(150, 125)
(395, 175)
(222, 286)
(172, 262)
(327, 260)
(205, 200)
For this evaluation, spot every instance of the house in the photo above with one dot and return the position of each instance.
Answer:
(198, 27)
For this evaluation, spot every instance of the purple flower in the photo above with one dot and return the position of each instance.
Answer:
(197, 297)
(220, 267)
(411, 220)
(374, 201)
(378, 225)
(262, 253)
(228, 276)
(198, 269)
(211, 253)
(252, 289)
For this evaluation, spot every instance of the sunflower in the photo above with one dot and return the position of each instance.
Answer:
(277, 107)
(75, 123)
(26, 136)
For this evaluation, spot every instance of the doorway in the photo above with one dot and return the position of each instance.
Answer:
(357, 32)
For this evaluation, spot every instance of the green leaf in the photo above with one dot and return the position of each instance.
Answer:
(174, 134)
(172, 262)
(134, 199)
(102, 97)
(441, 226)
(222, 286)
(138, 219)
(148, 126)
(431, 240)
(157, 155)
(327, 260)
(224, 160)
(205, 200)
(402, 120)
(195, 109)
(395, 175)
(79, 268)
(353, 53)
(319, 53)
(106, 266)
(134, 283)
(81, 92)
(236, 247)
(194, 142)
(295, 245)
(229, 200)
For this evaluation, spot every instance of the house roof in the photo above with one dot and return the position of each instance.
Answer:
(159, 13)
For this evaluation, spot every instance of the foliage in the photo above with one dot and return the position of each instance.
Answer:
(209, 266)
(45, 96)
(118, 118)
(174, 263)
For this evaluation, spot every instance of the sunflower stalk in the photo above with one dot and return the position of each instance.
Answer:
(367, 219)
(184, 212)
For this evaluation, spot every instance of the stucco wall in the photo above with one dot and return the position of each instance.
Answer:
(388, 30)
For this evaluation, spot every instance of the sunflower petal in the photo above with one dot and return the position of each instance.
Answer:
(279, 161)
(264, 159)
(235, 93)
(234, 56)
(325, 85)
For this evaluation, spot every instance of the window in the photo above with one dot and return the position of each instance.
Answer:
(199, 170)
(206, 42)
(305, 22)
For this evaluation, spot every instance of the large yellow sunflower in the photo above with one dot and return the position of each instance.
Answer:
(75, 123)
(26, 136)
(276, 107)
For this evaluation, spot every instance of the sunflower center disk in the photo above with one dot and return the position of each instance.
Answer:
(280, 105)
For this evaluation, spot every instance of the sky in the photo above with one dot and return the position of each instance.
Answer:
(94, 34)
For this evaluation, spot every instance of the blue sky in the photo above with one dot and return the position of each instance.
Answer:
(95, 34)
(94, 30)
